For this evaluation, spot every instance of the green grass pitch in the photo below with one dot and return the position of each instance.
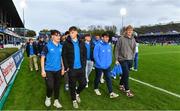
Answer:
(158, 66)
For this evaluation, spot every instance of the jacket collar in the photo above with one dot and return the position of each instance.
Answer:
(70, 40)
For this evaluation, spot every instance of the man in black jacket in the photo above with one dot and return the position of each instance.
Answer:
(31, 50)
(74, 59)
(41, 44)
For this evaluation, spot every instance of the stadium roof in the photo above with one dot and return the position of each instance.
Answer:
(13, 17)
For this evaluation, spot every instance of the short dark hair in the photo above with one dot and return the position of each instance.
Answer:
(97, 34)
(105, 34)
(55, 32)
(66, 33)
(73, 28)
(85, 35)
(30, 39)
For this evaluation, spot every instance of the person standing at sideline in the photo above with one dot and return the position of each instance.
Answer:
(136, 53)
(135, 62)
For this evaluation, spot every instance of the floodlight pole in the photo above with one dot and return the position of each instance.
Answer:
(23, 23)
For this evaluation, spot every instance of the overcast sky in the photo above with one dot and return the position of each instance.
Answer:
(61, 14)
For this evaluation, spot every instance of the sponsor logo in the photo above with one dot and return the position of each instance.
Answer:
(8, 69)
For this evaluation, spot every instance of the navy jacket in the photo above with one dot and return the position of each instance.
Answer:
(35, 49)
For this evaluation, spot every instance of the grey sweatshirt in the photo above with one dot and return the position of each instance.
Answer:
(125, 48)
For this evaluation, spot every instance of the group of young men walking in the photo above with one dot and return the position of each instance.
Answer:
(76, 58)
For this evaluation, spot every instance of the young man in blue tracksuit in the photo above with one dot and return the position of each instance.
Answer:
(52, 68)
(103, 61)
(96, 41)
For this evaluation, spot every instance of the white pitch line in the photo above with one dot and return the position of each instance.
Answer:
(157, 53)
(160, 89)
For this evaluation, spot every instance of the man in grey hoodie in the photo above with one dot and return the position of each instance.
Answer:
(124, 54)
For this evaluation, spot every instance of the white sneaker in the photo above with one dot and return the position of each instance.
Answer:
(47, 102)
(102, 81)
(75, 104)
(132, 68)
(78, 98)
(67, 87)
(97, 92)
(87, 85)
(135, 70)
(114, 77)
(113, 95)
(57, 104)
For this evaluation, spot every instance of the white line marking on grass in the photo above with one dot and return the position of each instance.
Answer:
(156, 53)
(160, 89)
